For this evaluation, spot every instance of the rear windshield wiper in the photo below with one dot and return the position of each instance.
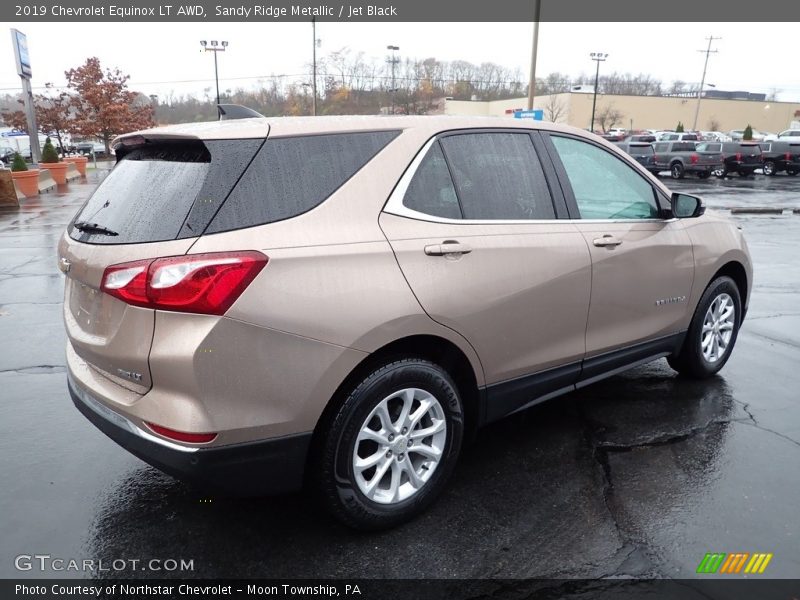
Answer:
(93, 228)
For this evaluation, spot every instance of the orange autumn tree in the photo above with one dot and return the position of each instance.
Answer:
(54, 115)
(103, 106)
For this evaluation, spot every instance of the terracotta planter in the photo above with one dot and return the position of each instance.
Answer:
(57, 170)
(80, 163)
(27, 181)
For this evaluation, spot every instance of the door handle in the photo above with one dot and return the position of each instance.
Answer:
(607, 240)
(447, 247)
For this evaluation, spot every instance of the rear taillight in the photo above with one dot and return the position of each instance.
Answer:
(787, 156)
(182, 436)
(694, 158)
(197, 283)
(739, 156)
(655, 157)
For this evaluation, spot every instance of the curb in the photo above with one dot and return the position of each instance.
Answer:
(759, 210)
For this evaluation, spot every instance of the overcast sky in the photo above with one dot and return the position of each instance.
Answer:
(166, 57)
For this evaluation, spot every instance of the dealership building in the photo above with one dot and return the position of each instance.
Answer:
(720, 111)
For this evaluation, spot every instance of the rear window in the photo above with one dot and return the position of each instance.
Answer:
(709, 147)
(290, 176)
(749, 149)
(150, 192)
(689, 136)
(683, 147)
(640, 149)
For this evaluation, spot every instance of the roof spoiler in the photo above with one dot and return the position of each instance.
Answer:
(236, 111)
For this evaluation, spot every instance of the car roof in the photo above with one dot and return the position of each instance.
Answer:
(290, 126)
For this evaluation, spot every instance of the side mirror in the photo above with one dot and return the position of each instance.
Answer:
(685, 206)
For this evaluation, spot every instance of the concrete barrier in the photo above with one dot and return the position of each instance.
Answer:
(756, 210)
(72, 172)
(46, 181)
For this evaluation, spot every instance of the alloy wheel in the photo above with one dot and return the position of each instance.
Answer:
(718, 326)
(399, 446)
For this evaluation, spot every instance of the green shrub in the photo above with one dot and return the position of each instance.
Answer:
(679, 128)
(19, 163)
(748, 133)
(49, 153)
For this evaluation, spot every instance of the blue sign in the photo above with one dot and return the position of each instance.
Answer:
(536, 115)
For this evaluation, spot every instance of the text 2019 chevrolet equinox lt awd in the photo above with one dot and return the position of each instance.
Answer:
(256, 304)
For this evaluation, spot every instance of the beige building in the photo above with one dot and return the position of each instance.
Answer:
(644, 112)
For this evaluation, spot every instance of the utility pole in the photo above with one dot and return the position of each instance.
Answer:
(393, 60)
(314, 66)
(708, 51)
(537, 5)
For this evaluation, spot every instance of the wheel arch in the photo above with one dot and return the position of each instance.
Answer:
(736, 271)
(430, 347)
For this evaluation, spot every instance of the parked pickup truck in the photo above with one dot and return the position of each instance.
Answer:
(643, 153)
(738, 157)
(680, 158)
(780, 156)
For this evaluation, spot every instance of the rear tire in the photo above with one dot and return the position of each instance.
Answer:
(712, 332)
(769, 168)
(377, 468)
(721, 173)
(676, 170)
(792, 172)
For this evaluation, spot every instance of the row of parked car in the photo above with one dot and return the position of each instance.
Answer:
(718, 158)
(618, 134)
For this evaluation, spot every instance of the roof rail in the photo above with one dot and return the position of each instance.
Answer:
(236, 111)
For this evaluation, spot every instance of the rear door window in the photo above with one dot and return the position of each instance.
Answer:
(498, 176)
(152, 189)
(292, 175)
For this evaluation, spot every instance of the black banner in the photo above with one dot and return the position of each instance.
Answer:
(412, 589)
(398, 11)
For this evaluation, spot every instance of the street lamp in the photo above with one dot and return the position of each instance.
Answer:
(598, 57)
(393, 61)
(214, 46)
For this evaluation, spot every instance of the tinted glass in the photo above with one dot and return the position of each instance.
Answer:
(709, 147)
(660, 147)
(689, 136)
(683, 146)
(290, 176)
(604, 186)
(498, 176)
(148, 194)
(431, 190)
(640, 149)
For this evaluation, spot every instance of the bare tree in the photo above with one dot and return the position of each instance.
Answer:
(607, 117)
(554, 108)
(713, 124)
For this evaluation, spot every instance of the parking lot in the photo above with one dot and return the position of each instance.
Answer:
(639, 475)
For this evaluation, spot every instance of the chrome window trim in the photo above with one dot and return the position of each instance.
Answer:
(394, 205)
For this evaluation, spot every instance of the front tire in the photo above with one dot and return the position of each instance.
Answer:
(712, 332)
(769, 168)
(392, 444)
(676, 171)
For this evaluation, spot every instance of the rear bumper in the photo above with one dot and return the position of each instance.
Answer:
(252, 469)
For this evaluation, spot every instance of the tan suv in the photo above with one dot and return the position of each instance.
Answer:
(254, 304)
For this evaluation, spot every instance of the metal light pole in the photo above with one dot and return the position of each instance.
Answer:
(214, 47)
(598, 57)
(708, 51)
(534, 45)
(393, 61)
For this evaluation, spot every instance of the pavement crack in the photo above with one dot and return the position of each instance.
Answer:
(37, 369)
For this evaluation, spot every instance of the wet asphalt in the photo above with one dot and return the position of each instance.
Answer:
(639, 475)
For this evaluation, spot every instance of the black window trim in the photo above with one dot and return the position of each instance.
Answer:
(662, 201)
(394, 204)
